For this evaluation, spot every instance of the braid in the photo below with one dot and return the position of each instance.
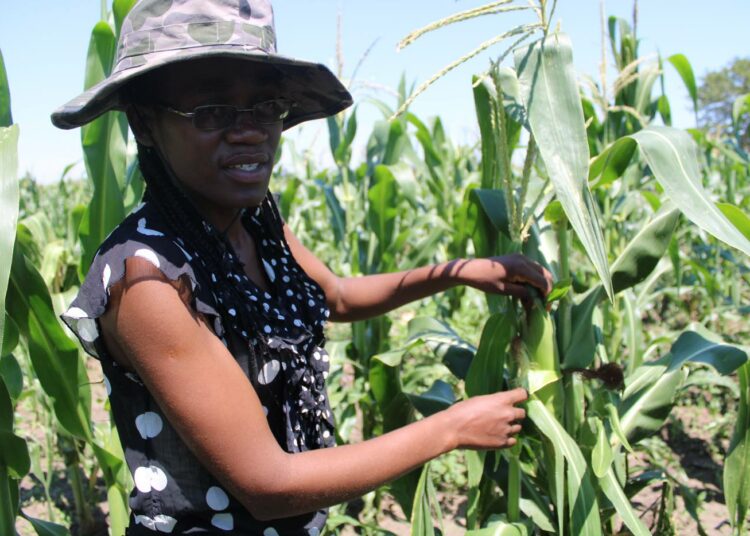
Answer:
(185, 221)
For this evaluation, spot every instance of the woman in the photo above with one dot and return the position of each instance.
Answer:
(207, 313)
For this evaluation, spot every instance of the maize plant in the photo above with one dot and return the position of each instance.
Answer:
(594, 394)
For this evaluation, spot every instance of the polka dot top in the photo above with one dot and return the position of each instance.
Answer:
(276, 338)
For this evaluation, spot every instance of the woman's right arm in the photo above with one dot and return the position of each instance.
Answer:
(212, 405)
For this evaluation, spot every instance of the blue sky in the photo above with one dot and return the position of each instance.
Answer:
(44, 44)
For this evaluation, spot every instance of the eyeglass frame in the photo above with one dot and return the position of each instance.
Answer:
(236, 113)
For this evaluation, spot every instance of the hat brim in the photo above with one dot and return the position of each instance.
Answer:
(314, 89)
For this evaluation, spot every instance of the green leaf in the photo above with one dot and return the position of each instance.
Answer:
(54, 356)
(685, 70)
(612, 162)
(737, 462)
(46, 528)
(484, 94)
(648, 398)
(382, 208)
(10, 335)
(643, 252)
(559, 290)
(554, 212)
(120, 8)
(581, 350)
(14, 455)
(12, 375)
(602, 455)
(8, 207)
(421, 517)
(696, 347)
(6, 117)
(396, 411)
(485, 374)
(336, 211)
(612, 489)
(737, 217)
(494, 208)
(396, 143)
(584, 510)
(552, 98)
(672, 156)
(665, 111)
(104, 148)
(500, 528)
(437, 398)
(445, 343)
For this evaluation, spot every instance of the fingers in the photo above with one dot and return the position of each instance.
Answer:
(525, 271)
(539, 276)
(515, 396)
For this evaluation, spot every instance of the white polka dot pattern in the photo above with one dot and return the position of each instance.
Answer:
(149, 424)
(270, 531)
(216, 498)
(223, 521)
(148, 478)
(106, 274)
(158, 523)
(149, 255)
(145, 230)
(268, 372)
(269, 271)
(87, 329)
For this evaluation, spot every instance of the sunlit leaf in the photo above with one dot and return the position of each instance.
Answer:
(737, 462)
(644, 250)
(552, 98)
(6, 117)
(54, 356)
(47, 528)
(737, 217)
(685, 70)
(612, 489)
(602, 455)
(648, 398)
(696, 347)
(672, 156)
(584, 510)
(8, 209)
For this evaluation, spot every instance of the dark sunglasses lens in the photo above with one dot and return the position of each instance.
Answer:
(271, 111)
(214, 117)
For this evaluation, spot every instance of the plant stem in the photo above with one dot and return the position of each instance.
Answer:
(73, 465)
(514, 484)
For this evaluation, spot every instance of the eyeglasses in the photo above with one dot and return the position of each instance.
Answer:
(219, 116)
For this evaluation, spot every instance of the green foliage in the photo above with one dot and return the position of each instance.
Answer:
(552, 158)
(717, 93)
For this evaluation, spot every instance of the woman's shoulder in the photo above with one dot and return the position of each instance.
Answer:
(145, 235)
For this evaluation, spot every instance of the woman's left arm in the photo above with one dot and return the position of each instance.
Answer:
(358, 298)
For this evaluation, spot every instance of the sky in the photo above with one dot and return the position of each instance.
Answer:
(44, 44)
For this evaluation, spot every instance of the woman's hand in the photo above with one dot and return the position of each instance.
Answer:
(508, 274)
(488, 422)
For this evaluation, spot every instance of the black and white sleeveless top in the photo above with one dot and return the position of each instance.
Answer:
(279, 346)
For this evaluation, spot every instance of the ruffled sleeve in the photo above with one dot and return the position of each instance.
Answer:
(142, 234)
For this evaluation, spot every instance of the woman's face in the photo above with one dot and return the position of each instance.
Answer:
(221, 170)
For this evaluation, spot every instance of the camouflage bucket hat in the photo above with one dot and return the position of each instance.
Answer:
(160, 32)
